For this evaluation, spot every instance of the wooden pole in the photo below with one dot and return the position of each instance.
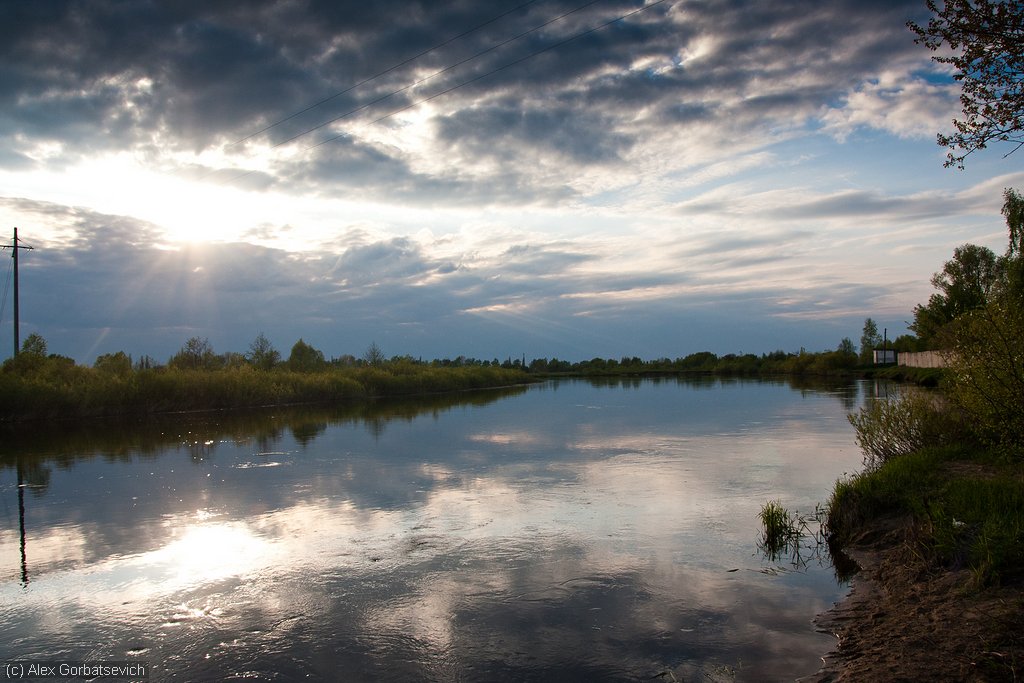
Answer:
(17, 335)
(17, 319)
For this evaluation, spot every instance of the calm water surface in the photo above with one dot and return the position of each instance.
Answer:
(568, 531)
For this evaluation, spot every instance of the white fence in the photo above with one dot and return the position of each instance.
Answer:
(924, 359)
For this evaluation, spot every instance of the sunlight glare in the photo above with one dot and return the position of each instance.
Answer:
(208, 552)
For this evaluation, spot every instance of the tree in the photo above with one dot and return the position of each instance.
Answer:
(987, 38)
(262, 353)
(1013, 263)
(305, 358)
(986, 373)
(869, 341)
(966, 282)
(373, 355)
(846, 346)
(1013, 212)
(906, 343)
(34, 345)
(119, 364)
(195, 354)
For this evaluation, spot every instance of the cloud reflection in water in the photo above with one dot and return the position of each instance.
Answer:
(570, 543)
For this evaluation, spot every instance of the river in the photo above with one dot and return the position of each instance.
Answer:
(570, 530)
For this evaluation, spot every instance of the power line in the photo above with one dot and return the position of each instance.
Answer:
(438, 73)
(382, 73)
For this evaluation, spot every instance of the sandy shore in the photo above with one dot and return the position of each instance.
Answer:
(907, 620)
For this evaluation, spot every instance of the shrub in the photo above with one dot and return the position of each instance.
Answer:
(916, 419)
(987, 373)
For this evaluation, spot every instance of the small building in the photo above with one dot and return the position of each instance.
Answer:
(884, 356)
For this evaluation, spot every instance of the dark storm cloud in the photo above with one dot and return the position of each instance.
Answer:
(566, 132)
(149, 76)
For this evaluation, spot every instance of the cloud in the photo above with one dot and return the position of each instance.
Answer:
(668, 178)
(101, 283)
(913, 108)
(206, 75)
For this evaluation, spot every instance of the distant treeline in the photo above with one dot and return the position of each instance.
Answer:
(37, 385)
(826, 363)
(34, 385)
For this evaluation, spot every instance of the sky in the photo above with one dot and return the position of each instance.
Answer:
(556, 178)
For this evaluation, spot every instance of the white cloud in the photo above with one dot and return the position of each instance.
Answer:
(905, 107)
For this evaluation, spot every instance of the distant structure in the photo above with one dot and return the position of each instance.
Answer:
(925, 359)
(884, 356)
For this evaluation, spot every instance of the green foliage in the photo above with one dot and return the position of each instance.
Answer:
(972, 280)
(59, 389)
(1013, 262)
(869, 341)
(262, 353)
(987, 54)
(973, 519)
(704, 360)
(305, 358)
(34, 345)
(195, 354)
(118, 364)
(966, 282)
(916, 419)
(907, 342)
(986, 376)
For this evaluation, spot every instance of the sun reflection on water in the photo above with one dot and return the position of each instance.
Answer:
(208, 552)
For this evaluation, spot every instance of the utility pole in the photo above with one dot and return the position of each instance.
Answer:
(14, 254)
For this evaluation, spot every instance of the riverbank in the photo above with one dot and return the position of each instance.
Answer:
(905, 620)
(939, 594)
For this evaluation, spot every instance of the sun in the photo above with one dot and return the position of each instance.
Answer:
(185, 210)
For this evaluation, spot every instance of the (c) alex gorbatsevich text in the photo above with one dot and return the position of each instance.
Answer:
(28, 669)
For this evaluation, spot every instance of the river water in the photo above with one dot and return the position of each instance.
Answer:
(572, 530)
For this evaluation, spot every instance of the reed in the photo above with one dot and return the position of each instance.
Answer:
(55, 390)
(782, 531)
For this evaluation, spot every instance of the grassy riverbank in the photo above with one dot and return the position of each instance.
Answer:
(61, 390)
(965, 506)
(936, 522)
(939, 538)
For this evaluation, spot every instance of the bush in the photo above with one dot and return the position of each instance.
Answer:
(916, 419)
(987, 373)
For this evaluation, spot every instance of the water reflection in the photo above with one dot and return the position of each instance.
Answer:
(599, 530)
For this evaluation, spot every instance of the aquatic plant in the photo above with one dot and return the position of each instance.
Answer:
(782, 531)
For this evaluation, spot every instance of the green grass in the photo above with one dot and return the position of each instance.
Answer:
(782, 531)
(968, 504)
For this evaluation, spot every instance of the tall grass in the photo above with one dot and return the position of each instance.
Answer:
(63, 390)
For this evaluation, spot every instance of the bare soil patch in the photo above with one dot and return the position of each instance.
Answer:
(908, 620)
